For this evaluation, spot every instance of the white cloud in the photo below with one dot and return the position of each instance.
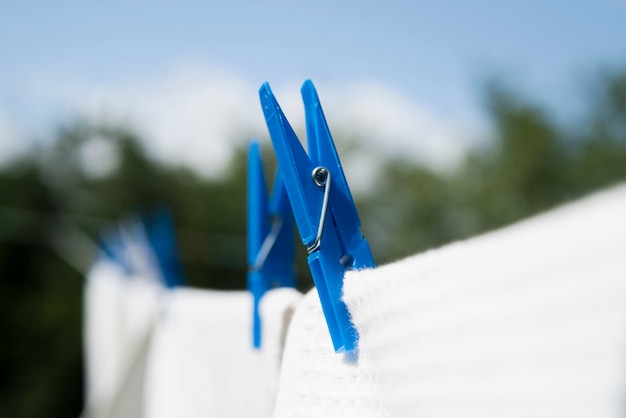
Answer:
(191, 117)
(196, 116)
(393, 124)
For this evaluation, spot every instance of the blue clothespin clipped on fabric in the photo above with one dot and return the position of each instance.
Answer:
(270, 236)
(162, 237)
(322, 205)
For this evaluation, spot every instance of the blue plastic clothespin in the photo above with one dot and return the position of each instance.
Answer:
(162, 237)
(270, 237)
(322, 205)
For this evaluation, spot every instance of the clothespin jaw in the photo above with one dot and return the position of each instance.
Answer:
(270, 237)
(323, 207)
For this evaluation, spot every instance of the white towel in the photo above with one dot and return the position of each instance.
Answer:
(102, 332)
(202, 362)
(119, 315)
(528, 321)
(317, 382)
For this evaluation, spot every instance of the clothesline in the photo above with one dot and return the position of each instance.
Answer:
(77, 248)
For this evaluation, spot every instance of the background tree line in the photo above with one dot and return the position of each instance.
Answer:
(49, 206)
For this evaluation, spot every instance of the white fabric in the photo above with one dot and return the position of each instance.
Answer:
(202, 363)
(103, 325)
(528, 321)
(317, 382)
(119, 315)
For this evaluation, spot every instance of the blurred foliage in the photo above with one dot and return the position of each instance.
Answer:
(51, 198)
(529, 165)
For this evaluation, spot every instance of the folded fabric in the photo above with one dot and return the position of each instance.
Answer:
(527, 321)
(317, 382)
(120, 312)
(202, 362)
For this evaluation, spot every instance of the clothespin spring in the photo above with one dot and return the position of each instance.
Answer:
(321, 177)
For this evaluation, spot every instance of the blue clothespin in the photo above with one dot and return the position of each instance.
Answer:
(323, 207)
(162, 237)
(139, 250)
(270, 236)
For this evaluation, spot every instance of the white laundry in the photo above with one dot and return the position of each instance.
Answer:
(103, 330)
(527, 321)
(120, 313)
(317, 382)
(202, 362)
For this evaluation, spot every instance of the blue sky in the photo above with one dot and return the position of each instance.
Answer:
(57, 56)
